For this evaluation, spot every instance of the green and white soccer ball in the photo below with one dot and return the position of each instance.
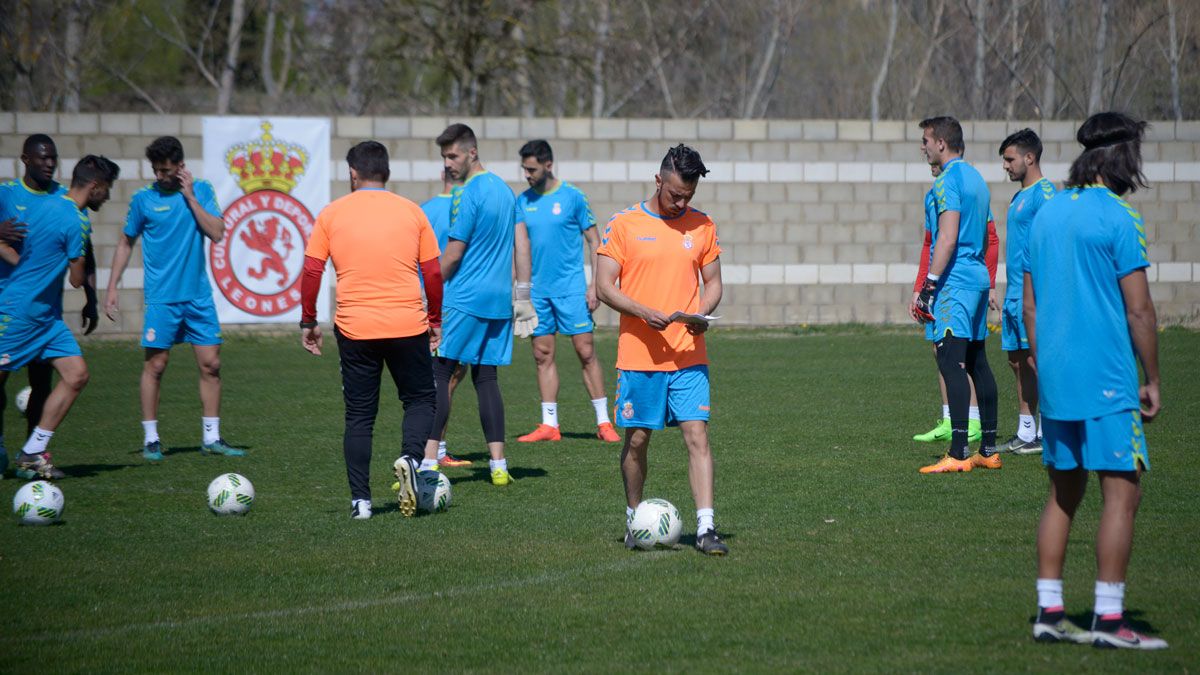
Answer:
(22, 399)
(433, 491)
(230, 494)
(38, 503)
(655, 523)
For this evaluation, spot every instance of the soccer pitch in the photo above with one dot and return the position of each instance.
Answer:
(842, 557)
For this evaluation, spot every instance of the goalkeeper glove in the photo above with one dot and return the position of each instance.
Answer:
(524, 316)
(925, 299)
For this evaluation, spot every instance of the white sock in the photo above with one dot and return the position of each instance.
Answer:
(37, 442)
(1026, 429)
(212, 429)
(427, 465)
(550, 413)
(149, 431)
(601, 407)
(1049, 593)
(946, 412)
(441, 450)
(628, 515)
(974, 413)
(704, 521)
(1110, 597)
(494, 464)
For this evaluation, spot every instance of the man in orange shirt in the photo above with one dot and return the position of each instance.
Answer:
(377, 241)
(657, 250)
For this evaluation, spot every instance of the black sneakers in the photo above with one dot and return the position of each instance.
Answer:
(710, 543)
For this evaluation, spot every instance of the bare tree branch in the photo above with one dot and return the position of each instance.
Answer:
(893, 20)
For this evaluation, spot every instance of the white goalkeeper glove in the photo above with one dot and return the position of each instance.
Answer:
(524, 316)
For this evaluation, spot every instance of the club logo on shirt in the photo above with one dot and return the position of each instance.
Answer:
(557, 210)
(258, 265)
(687, 241)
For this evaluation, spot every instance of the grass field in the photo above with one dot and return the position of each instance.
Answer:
(843, 557)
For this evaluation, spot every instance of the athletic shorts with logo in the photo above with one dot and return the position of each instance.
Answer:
(649, 399)
(471, 339)
(1115, 442)
(170, 323)
(23, 341)
(1012, 327)
(566, 315)
(960, 313)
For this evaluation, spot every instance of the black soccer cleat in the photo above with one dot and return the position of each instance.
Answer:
(710, 543)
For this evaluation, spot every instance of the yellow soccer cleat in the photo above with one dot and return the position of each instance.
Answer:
(406, 485)
(501, 477)
(948, 464)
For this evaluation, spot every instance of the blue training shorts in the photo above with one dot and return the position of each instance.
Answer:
(170, 323)
(655, 399)
(475, 340)
(1113, 442)
(960, 313)
(23, 341)
(1012, 327)
(566, 315)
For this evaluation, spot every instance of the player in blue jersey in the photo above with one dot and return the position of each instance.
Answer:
(954, 295)
(559, 219)
(480, 313)
(31, 324)
(173, 216)
(1021, 153)
(437, 210)
(1089, 314)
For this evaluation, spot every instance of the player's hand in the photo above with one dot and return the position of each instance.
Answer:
(311, 340)
(655, 319)
(1151, 403)
(186, 181)
(12, 231)
(992, 303)
(525, 318)
(923, 307)
(592, 301)
(112, 305)
(697, 328)
(912, 307)
(435, 338)
(90, 316)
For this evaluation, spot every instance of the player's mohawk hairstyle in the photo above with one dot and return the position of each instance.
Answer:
(684, 162)
(1112, 151)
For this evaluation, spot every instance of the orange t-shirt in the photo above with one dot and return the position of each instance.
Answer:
(660, 263)
(377, 241)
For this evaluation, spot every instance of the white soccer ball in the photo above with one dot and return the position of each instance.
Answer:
(433, 491)
(22, 399)
(38, 503)
(655, 523)
(230, 494)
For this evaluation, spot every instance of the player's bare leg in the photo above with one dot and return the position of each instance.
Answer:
(593, 380)
(153, 367)
(33, 460)
(1114, 541)
(1066, 492)
(700, 476)
(1025, 441)
(547, 377)
(208, 359)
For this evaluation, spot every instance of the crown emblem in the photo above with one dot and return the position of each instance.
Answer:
(266, 163)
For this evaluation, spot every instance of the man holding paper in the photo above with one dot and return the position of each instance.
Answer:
(658, 251)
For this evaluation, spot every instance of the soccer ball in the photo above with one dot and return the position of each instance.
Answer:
(22, 399)
(655, 523)
(433, 491)
(38, 503)
(230, 494)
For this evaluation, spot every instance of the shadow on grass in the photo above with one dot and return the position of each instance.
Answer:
(483, 474)
(688, 541)
(89, 470)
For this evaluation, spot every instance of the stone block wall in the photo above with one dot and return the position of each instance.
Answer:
(820, 220)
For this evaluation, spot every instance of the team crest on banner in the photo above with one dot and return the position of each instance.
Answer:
(271, 175)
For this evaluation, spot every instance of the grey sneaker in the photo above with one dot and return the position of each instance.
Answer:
(152, 451)
(31, 467)
(220, 447)
(1056, 627)
(1019, 447)
(406, 477)
(710, 543)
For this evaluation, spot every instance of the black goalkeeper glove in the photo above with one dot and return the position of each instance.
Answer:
(925, 300)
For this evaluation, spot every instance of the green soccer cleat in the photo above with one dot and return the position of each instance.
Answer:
(152, 451)
(939, 434)
(974, 431)
(220, 447)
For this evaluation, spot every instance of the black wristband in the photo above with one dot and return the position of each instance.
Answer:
(308, 324)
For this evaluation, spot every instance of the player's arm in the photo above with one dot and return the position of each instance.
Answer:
(452, 258)
(524, 317)
(942, 251)
(922, 271)
(1143, 328)
(213, 226)
(9, 254)
(1029, 313)
(593, 243)
(991, 257)
(120, 260)
(12, 231)
(90, 317)
(310, 288)
(710, 274)
(77, 271)
(607, 272)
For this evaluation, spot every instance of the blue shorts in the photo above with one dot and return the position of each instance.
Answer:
(960, 313)
(471, 339)
(567, 315)
(167, 324)
(649, 399)
(23, 341)
(1012, 327)
(1113, 442)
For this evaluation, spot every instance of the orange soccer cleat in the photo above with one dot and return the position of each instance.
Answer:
(449, 460)
(948, 464)
(543, 432)
(607, 433)
(980, 462)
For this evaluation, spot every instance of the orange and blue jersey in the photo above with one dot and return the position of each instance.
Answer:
(172, 242)
(556, 221)
(19, 201)
(58, 231)
(1021, 211)
(481, 216)
(960, 188)
(1081, 244)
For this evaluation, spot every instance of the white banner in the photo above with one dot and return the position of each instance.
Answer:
(271, 176)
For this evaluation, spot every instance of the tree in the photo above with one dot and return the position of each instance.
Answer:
(893, 20)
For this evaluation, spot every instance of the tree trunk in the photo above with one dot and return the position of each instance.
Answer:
(564, 46)
(1096, 94)
(1050, 14)
(598, 60)
(1011, 105)
(931, 44)
(275, 85)
(72, 43)
(521, 63)
(977, 93)
(1173, 57)
(893, 20)
(237, 16)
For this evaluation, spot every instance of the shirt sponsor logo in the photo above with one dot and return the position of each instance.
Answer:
(647, 238)
(161, 209)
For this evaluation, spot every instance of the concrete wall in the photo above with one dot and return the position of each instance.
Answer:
(820, 220)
